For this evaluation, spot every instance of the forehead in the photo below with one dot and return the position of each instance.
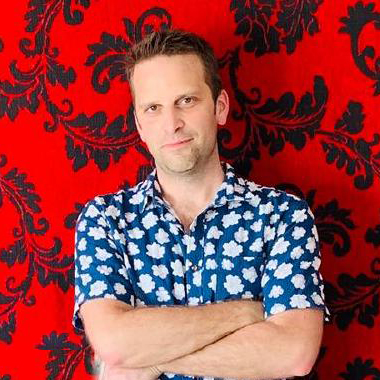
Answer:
(165, 76)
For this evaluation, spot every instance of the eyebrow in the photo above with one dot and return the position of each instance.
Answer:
(185, 95)
(147, 105)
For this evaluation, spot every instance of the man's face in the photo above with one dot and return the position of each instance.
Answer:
(175, 113)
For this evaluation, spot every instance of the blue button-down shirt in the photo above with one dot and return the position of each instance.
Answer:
(251, 242)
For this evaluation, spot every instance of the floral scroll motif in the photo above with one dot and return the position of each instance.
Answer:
(65, 355)
(254, 19)
(47, 265)
(360, 370)
(274, 123)
(88, 136)
(360, 16)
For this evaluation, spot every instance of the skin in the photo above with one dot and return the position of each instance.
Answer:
(130, 338)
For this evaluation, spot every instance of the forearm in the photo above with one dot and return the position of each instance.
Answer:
(261, 350)
(148, 336)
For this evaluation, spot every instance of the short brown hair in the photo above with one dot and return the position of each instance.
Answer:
(175, 42)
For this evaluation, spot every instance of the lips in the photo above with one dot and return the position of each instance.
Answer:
(177, 144)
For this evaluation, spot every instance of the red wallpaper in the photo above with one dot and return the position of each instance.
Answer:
(304, 83)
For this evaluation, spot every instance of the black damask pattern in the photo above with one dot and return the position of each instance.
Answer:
(31, 85)
(340, 226)
(108, 55)
(71, 219)
(144, 170)
(65, 355)
(48, 265)
(41, 11)
(142, 174)
(355, 297)
(295, 18)
(272, 124)
(93, 137)
(354, 154)
(360, 16)
(74, 17)
(88, 137)
(277, 122)
(361, 370)
(373, 235)
(8, 322)
(254, 19)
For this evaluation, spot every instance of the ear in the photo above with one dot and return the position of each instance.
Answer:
(222, 107)
(138, 126)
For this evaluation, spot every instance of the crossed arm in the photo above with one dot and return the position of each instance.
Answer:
(229, 339)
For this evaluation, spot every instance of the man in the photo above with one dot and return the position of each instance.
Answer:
(238, 261)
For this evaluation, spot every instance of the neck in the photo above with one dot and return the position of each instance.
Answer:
(189, 194)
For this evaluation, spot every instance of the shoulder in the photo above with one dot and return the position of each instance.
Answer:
(276, 208)
(113, 204)
(270, 197)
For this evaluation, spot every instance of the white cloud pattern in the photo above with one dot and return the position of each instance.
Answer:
(253, 241)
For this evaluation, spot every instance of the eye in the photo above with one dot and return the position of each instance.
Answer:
(187, 100)
(152, 108)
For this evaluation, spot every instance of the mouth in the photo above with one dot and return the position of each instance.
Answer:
(177, 144)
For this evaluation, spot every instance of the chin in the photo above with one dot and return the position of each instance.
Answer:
(179, 167)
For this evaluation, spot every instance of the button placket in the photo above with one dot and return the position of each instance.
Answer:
(198, 256)
(190, 266)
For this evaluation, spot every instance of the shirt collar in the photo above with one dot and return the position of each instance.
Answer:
(233, 188)
(151, 192)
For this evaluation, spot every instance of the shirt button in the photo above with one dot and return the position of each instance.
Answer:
(194, 268)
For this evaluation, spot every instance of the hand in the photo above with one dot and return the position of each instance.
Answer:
(118, 373)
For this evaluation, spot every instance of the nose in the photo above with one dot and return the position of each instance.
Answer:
(173, 120)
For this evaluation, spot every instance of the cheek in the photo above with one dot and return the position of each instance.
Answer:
(204, 120)
(207, 124)
(148, 130)
(152, 139)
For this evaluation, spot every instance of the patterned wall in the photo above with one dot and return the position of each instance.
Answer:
(304, 82)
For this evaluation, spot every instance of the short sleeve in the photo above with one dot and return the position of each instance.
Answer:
(291, 278)
(100, 268)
